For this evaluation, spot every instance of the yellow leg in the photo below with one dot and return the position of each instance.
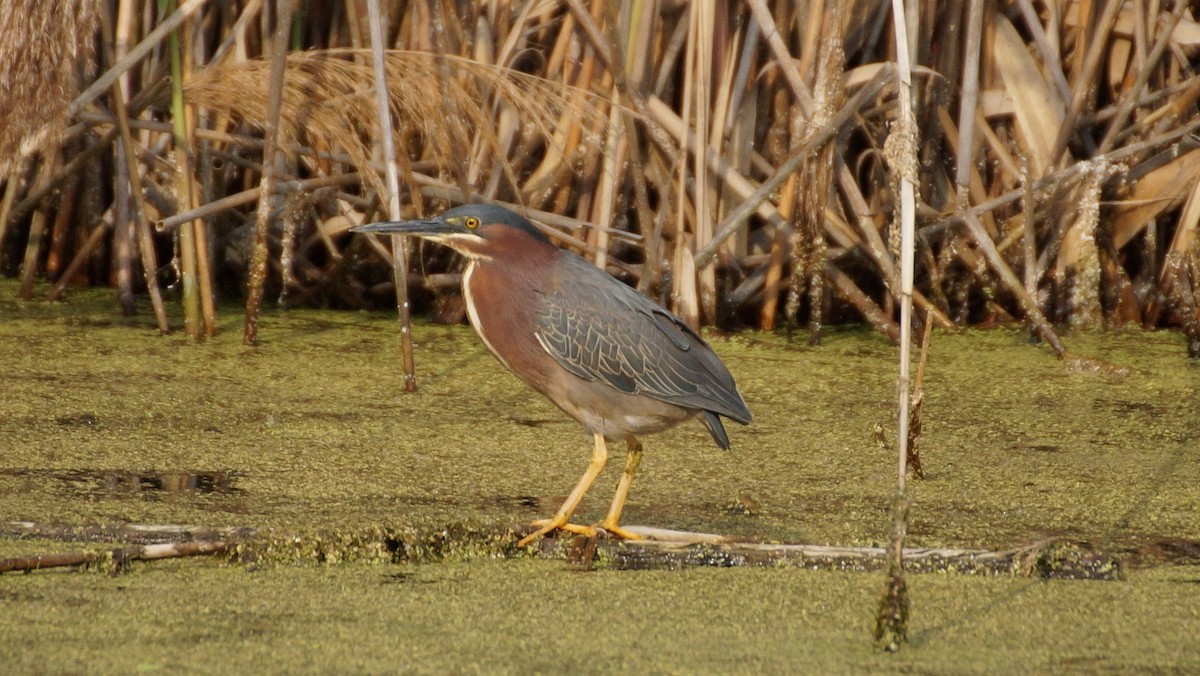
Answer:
(633, 460)
(560, 518)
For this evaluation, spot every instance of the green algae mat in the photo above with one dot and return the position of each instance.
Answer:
(375, 525)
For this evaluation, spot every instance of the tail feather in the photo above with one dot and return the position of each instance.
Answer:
(713, 422)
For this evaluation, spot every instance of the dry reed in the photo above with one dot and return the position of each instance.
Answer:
(1058, 165)
(46, 47)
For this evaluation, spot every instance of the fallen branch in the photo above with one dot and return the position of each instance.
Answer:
(114, 560)
(660, 548)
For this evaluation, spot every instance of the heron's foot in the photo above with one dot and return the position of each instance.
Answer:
(557, 523)
(613, 529)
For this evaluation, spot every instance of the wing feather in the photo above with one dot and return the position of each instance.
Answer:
(622, 338)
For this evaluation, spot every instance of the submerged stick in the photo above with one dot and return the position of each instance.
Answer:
(918, 400)
(116, 559)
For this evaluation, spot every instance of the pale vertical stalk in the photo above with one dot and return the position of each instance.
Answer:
(787, 210)
(12, 185)
(969, 101)
(813, 20)
(1028, 236)
(642, 14)
(702, 44)
(258, 257)
(740, 79)
(145, 241)
(122, 240)
(37, 227)
(907, 230)
(392, 176)
(208, 310)
(892, 617)
(629, 67)
(610, 174)
(723, 138)
(183, 166)
(683, 282)
(1140, 33)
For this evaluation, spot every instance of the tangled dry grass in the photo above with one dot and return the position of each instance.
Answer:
(45, 50)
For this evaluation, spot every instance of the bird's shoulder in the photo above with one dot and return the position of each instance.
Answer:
(586, 295)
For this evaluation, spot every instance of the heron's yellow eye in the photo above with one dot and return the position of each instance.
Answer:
(471, 222)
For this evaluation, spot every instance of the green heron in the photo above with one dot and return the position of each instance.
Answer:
(604, 354)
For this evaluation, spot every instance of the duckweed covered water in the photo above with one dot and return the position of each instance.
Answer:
(309, 436)
(528, 616)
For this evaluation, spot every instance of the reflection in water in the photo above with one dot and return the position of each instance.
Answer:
(147, 483)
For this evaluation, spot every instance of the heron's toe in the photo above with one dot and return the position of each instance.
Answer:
(613, 529)
(545, 526)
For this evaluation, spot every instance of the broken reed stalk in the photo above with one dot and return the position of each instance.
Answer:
(37, 230)
(622, 71)
(114, 561)
(66, 215)
(145, 240)
(392, 170)
(208, 310)
(703, 43)
(900, 149)
(684, 297)
(815, 180)
(12, 185)
(259, 253)
(970, 97)
(192, 320)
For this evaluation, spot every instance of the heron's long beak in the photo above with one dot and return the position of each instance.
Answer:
(431, 227)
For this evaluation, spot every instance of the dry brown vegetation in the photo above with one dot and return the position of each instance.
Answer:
(726, 157)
